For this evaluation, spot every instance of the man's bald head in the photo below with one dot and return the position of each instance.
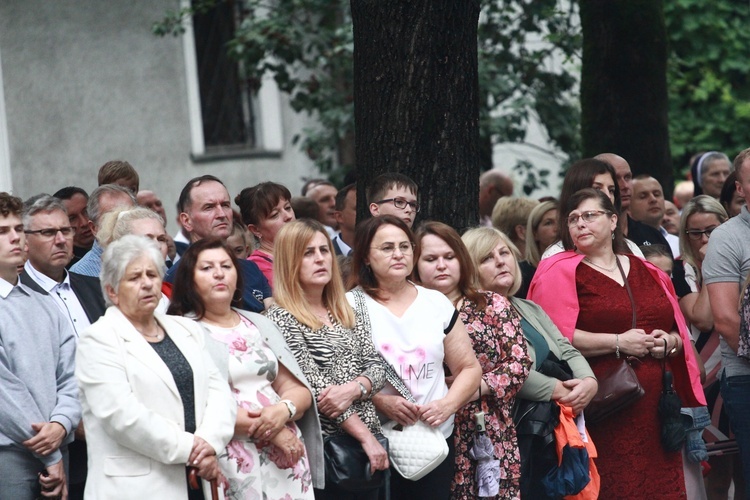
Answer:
(493, 185)
(624, 177)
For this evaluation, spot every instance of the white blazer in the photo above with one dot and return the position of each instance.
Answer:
(133, 413)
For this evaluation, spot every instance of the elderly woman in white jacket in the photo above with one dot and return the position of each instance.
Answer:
(153, 401)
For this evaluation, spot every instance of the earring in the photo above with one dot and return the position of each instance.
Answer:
(613, 235)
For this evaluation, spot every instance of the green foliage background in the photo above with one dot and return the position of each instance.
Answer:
(529, 64)
(709, 96)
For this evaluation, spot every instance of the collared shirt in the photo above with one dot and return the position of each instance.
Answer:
(91, 263)
(345, 249)
(6, 288)
(64, 297)
(674, 242)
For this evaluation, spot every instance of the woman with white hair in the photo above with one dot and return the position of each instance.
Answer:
(153, 401)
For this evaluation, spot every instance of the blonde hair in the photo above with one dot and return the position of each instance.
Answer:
(511, 212)
(701, 204)
(533, 252)
(480, 241)
(289, 248)
(116, 224)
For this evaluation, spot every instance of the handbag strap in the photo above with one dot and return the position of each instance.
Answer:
(627, 287)
(391, 376)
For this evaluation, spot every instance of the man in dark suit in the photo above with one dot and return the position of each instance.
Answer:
(346, 216)
(50, 236)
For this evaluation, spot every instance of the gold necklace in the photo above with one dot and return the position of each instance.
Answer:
(609, 270)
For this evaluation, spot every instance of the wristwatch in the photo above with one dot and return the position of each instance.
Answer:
(290, 406)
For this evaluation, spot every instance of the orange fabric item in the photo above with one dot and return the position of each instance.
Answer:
(566, 432)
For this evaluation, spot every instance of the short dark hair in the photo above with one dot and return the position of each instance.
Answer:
(185, 299)
(10, 205)
(728, 190)
(258, 201)
(304, 207)
(184, 201)
(115, 170)
(341, 196)
(311, 183)
(68, 192)
(656, 250)
(361, 274)
(382, 183)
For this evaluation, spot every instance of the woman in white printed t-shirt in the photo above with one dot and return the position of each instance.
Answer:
(416, 330)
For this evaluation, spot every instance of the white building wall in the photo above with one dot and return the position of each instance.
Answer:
(85, 82)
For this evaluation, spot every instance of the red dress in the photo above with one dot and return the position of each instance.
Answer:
(631, 462)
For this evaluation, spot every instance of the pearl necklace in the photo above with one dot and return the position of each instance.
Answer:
(609, 270)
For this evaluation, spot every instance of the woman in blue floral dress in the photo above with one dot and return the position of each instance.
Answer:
(444, 264)
(267, 457)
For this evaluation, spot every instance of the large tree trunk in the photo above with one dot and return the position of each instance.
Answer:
(416, 101)
(624, 84)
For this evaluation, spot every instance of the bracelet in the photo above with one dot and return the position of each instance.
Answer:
(676, 345)
(617, 345)
(290, 407)
(362, 390)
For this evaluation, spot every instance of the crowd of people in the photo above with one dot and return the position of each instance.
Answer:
(230, 357)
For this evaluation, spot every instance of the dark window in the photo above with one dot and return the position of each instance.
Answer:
(226, 99)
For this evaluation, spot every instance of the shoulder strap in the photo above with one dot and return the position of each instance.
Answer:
(390, 374)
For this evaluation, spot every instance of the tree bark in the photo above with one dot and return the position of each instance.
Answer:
(624, 84)
(416, 107)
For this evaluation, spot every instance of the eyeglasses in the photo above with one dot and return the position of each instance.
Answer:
(588, 217)
(51, 232)
(405, 247)
(696, 234)
(400, 203)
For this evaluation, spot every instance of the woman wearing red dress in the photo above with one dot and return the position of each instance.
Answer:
(583, 291)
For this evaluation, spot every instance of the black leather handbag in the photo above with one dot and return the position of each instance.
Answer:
(347, 464)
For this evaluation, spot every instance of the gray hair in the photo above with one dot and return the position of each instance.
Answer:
(702, 204)
(706, 160)
(120, 254)
(480, 241)
(40, 203)
(118, 223)
(93, 208)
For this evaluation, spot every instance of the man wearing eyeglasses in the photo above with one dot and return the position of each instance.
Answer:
(393, 194)
(49, 237)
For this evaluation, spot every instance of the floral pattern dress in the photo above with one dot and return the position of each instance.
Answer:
(251, 471)
(496, 334)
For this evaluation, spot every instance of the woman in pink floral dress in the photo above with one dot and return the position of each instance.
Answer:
(267, 457)
(444, 264)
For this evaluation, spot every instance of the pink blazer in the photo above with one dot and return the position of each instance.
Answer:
(554, 289)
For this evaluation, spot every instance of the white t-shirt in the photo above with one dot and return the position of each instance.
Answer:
(413, 344)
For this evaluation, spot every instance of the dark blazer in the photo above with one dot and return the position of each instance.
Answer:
(89, 292)
(87, 289)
